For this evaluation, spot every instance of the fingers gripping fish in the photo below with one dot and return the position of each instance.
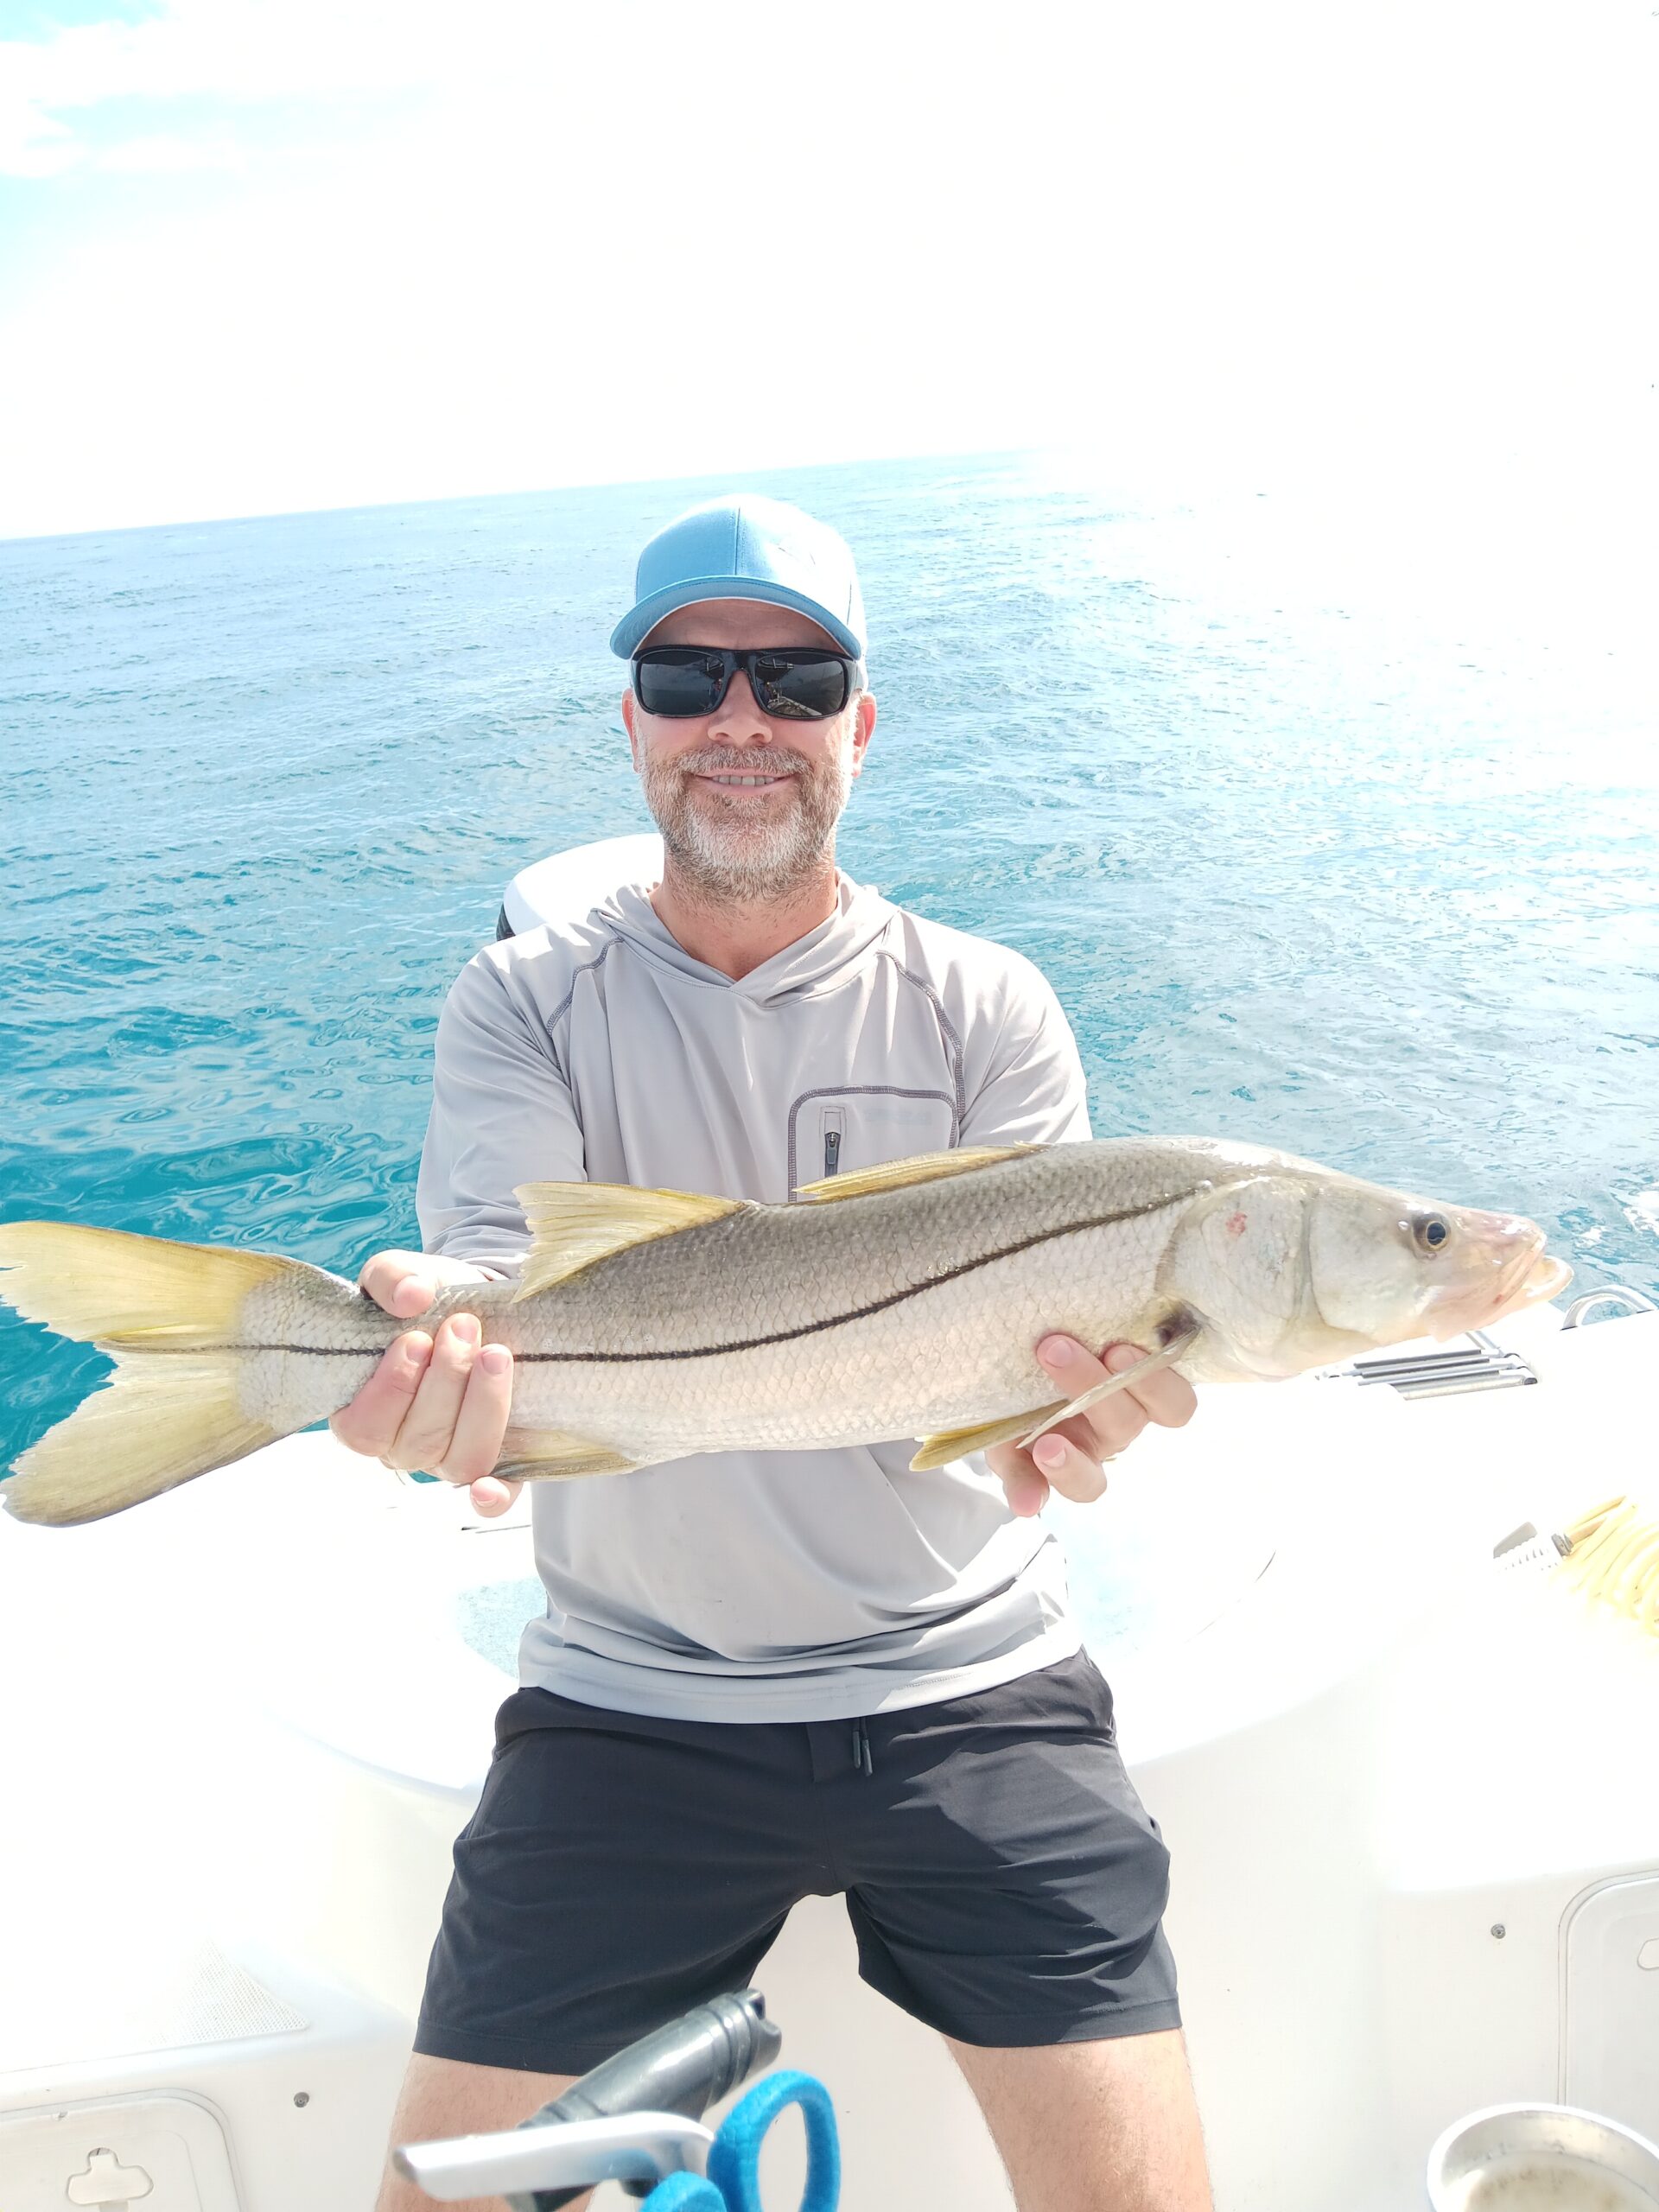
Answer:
(902, 1300)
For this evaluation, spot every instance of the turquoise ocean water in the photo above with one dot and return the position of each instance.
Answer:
(1312, 859)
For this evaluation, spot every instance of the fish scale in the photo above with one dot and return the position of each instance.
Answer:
(898, 1301)
(910, 1344)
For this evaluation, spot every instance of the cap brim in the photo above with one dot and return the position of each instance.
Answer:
(638, 623)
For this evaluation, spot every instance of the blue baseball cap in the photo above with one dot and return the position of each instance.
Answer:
(745, 547)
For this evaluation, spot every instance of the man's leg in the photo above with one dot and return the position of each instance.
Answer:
(1107, 2127)
(442, 2097)
(581, 1918)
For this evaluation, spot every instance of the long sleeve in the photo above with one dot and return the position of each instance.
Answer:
(502, 1115)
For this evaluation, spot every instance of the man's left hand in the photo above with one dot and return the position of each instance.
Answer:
(1069, 1457)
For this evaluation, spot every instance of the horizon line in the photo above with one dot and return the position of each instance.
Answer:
(522, 492)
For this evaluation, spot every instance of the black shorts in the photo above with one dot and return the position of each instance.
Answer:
(1003, 1880)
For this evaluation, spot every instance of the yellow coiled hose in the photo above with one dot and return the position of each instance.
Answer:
(1615, 1562)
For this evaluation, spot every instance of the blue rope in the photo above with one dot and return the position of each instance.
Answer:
(734, 2161)
(734, 2182)
(685, 2193)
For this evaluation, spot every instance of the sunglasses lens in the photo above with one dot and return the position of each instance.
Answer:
(679, 687)
(795, 687)
(804, 690)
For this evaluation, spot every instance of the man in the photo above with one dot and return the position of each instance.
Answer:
(766, 1675)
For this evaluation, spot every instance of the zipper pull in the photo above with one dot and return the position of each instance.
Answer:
(832, 1152)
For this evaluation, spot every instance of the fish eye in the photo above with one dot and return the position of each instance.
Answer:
(1431, 1232)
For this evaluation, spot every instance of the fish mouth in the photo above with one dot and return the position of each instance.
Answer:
(1545, 1279)
(1530, 1278)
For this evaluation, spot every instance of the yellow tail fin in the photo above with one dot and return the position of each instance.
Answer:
(156, 1423)
(109, 1287)
(169, 1315)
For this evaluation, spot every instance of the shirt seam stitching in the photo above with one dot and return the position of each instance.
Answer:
(953, 1044)
(587, 968)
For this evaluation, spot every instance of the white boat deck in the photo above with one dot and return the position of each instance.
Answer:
(243, 1723)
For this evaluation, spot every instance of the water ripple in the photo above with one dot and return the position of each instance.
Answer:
(1369, 885)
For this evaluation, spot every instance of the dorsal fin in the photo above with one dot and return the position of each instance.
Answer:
(575, 1223)
(923, 1168)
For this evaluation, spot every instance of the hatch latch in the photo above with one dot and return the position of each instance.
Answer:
(107, 2183)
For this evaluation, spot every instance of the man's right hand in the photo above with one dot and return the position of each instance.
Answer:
(439, 1402)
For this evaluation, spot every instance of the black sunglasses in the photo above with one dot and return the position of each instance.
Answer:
(804, 683)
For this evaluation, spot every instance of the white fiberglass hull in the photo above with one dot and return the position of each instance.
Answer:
(246, 1722)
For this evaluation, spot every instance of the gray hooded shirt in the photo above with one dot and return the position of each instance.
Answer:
(762, 1585)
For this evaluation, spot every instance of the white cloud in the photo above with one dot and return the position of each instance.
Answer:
(166, 154)
(245, 53)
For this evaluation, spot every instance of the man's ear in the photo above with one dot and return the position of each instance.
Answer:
(627, 724)
(863, 727)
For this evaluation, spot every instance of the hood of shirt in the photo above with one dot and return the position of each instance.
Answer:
(812, 963)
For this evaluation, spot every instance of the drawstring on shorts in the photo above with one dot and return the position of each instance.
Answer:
(861, 1759)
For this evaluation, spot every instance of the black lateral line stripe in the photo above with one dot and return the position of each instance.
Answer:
(746, 1343)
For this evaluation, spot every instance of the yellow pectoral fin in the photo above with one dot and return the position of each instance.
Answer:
(543, 1454)
(951, 1443)
(923, 1168)
(1150, 1366)
(1026, 1428)
(575, 1223)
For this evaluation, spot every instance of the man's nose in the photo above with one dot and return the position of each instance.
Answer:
(738, 718)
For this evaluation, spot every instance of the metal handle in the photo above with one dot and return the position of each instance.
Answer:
(1636, 1300)
(566, 2154)
(1484, 1366)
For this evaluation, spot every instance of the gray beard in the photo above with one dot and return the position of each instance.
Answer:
(728, 860)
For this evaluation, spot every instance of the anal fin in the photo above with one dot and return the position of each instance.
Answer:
(548, 1454)
(951, 1443)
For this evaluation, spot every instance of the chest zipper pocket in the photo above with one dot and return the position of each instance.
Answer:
(834, 1127)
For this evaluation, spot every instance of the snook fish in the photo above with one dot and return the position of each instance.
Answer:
(902, 1300)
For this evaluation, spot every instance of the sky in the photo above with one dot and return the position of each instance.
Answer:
(260, 255)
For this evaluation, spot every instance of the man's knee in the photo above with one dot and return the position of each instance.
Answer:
(1092, 2124)
(443, 2097)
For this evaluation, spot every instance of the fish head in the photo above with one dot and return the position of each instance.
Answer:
(1386, 1266)
(1299, 1267)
